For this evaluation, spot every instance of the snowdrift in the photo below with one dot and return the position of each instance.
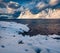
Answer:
(12, 42)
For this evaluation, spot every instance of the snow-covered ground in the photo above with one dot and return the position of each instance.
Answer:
(13, 42)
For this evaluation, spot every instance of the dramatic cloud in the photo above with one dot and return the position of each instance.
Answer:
(9, 9)
(54, 2)
(29, 8)
(44, 9)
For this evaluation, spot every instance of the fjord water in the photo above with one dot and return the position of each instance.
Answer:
(39, 26)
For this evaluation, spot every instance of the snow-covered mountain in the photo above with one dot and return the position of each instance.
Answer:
(13, 42)
(31, 9)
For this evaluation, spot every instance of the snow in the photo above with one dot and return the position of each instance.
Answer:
(14, 26)
(12, 42)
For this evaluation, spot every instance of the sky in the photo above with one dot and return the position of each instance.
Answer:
(24, 8)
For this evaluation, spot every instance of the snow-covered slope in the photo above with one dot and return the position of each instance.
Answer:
(12, 42)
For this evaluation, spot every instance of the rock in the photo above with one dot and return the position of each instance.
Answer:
(2, 46)
(20, 42)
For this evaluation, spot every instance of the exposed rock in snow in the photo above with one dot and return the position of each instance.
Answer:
(35, 44)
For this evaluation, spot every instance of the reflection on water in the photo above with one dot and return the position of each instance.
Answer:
(40, 26)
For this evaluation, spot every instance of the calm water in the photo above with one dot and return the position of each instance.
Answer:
(40, 26)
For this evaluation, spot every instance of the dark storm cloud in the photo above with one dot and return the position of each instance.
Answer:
(14, 5)
(44, 5)
(2, 5)
(9, 9)
(5, 1)
(34, 6)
